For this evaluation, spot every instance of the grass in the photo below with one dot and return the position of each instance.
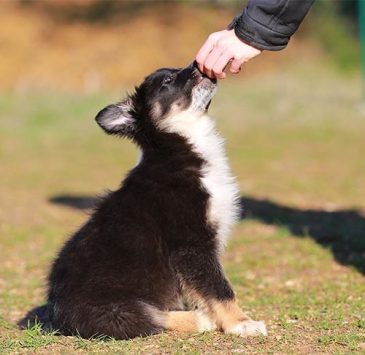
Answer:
(295, 142)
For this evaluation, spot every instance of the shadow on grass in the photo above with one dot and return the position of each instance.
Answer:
(75, 201)
(341, 231)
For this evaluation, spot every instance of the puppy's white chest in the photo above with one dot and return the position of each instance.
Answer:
(223, 206)
(223, 209)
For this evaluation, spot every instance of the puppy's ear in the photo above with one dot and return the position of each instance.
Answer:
(117, 118)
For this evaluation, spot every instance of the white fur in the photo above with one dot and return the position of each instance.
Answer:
(139, 158)
(115, 123)
(204, 322)
(199, 129)
(124, 119)
(157, 316)
(120, 121)
(248, 328)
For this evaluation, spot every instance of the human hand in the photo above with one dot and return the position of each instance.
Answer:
(221, 48)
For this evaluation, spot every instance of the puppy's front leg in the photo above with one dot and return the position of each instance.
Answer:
(204, 282)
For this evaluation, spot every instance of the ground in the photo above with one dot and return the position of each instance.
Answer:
(295, 140)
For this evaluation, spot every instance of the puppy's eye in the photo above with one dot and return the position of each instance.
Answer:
(167, 80)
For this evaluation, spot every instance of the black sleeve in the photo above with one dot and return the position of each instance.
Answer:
(268, 24)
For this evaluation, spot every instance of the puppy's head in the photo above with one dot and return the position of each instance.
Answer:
(164, 94)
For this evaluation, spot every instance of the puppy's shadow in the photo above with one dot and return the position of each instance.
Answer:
(79, 202)
(340, 231)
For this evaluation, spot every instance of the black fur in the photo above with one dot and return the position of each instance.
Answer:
(147, 238)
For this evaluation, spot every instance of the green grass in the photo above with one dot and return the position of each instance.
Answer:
(296, 144)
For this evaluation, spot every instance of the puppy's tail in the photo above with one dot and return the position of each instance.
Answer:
(38, 316)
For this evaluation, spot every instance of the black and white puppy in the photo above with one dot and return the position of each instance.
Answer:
(156, 240)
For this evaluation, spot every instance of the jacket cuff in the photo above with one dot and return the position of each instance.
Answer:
(257, 35)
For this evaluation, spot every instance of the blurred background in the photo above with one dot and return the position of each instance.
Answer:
(94, 45)
(294, 123)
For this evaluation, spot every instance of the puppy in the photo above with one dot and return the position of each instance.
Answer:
(157, 240)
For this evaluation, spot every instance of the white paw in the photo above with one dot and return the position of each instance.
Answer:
(248, 328)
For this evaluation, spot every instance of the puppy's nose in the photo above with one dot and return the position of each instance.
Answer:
(193, 65)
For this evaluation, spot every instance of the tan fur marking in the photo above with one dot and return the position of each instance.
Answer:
(193, 297)
(227, 314)
(182, 321)
(156, 110)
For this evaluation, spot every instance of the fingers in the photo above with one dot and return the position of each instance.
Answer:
(204, 52)
(215, 63)
(220, 65)
(210, 62)
(219, 49)
(235, 67)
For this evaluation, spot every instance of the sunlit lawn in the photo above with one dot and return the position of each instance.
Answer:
(296, 144)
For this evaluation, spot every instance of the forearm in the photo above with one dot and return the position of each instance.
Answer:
(267, 24)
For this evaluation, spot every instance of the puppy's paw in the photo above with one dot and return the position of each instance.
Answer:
(248, 328)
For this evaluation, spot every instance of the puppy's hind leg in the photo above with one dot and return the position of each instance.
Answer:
(188, 321)
(120, 320)
(181, 321)
(129, 320)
